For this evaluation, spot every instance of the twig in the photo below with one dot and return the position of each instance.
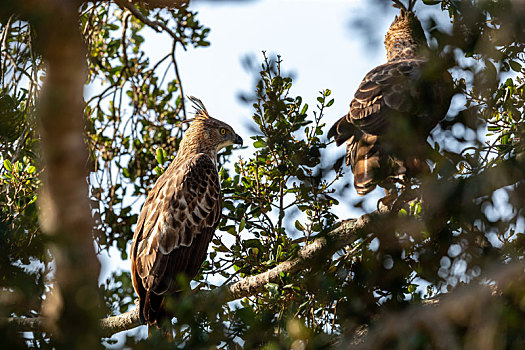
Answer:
(179, 81)
(155, 25)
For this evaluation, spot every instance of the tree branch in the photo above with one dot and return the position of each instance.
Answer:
(155, 25)
(119, 323)
(346, 232)
(108, 326)
(323, 247)
(72, 308)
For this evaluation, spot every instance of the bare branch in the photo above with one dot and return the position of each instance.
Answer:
(108, 326)
(119, 323)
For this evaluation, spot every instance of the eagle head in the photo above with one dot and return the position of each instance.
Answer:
(405, 37)
(213, 134)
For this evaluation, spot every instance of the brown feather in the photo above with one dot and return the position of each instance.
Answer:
(179, 216)
(174, 230)
(387, 105)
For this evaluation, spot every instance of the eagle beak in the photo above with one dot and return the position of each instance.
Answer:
(238, 140)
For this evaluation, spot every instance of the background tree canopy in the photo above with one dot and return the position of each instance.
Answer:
(443, 269)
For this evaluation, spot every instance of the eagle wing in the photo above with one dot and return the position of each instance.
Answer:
(386, 91)
(386, 88)
(174, 229)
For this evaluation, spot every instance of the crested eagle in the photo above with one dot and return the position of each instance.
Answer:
(394, 109)
(179, 216)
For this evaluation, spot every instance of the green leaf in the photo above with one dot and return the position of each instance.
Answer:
(7, 165)
(279, 252)
(222, 248)
(242, 224)
(33, 199)
(305, 108)
(515, 66)
(259, 144)
(331, 102)
(30, 169)
(252, 243)
(160, 157)
(299, 226)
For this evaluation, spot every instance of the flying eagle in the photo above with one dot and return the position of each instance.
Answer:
(394, 109)
(179, 216)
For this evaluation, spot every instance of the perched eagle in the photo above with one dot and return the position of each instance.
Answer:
(394, 109)
(179, 216)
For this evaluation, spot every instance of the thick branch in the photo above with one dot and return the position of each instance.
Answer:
(108, 326)
(322, 247)
(72, 308)
(339, 237)
(119, 323)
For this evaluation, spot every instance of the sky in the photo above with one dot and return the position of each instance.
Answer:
(317, 43)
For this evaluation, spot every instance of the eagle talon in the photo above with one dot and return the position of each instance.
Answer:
(387, 202)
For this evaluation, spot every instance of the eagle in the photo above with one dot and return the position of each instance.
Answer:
(394, 109)
(179, 217)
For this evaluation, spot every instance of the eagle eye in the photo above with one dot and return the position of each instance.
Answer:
(223, 131)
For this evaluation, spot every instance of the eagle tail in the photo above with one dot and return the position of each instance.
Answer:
(153, 309)
(364, 159)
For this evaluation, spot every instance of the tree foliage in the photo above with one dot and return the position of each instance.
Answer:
(450, 230)
(21, 238)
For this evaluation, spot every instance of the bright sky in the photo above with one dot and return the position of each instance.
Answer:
(316, 42)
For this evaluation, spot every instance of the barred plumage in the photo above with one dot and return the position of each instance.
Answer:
(179, 216)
